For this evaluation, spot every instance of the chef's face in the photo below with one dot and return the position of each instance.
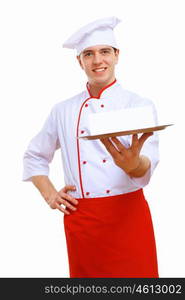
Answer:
(99, 62)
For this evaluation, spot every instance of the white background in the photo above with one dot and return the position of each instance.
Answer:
(36, 72)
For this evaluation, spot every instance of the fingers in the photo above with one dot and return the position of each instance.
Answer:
(68, 188)
(118, 144)
(62, 198)
(62, 201)
(138, 142)
(110, 148)
(135, 143)
(68, 197)
(63, 193)
(59, 201)
(59, 207)
(144, 137)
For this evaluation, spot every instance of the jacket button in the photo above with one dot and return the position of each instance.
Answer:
(82, 131)
(104, 160)
(84, 162)
(86, 105)
(102, 105)
(87, 193)
(107, 191)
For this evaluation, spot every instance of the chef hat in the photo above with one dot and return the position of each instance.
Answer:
(99, 32)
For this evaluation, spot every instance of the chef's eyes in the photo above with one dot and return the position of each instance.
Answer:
(103, 52)
(106, 51)
(88, 54)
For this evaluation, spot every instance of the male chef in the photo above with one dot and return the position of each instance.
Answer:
(107, 220)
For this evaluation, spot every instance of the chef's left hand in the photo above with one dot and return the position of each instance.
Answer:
(127, 159)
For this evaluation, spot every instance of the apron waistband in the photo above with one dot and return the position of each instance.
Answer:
(130, 195)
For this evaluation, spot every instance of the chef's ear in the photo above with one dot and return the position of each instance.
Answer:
(79, 60)
(116, 51)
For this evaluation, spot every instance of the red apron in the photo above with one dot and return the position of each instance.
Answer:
(111, 237)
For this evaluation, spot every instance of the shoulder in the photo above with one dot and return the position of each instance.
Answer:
(68, 103)
(135, 99)
(71, 101)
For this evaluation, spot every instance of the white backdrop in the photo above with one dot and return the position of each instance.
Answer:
(36, 72)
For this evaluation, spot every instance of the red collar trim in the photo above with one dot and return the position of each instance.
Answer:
(101, 91)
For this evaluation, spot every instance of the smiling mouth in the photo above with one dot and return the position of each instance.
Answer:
(99, 70)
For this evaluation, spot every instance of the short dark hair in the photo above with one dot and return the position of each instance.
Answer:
(115, 49)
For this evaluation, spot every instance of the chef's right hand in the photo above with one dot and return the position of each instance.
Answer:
(60, 198)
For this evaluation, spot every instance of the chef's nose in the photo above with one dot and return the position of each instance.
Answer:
(97, 58)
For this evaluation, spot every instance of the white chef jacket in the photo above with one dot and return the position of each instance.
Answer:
(87, 164)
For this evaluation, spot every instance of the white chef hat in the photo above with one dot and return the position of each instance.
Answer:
(99, 32)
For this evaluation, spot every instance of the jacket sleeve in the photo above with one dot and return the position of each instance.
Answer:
(151, 150)
(41, 149)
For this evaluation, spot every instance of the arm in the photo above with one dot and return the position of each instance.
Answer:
(150, 149)
(45, 186)
(36, 161)
(143, 167)
(41, 149)
(54, 199)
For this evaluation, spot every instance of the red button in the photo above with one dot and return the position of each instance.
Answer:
(102, 105)
(104, 160)
(107, 191)
(84, 162)
(82, 131)
(86, 105)
(87, 194)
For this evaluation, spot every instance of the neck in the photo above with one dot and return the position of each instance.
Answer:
(96, 88)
